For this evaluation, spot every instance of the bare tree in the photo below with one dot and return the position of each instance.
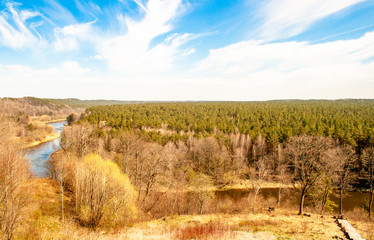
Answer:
(152, 166)
(306, 157)
(368, 157)
(77, 139)
(281, 170)
(261, 162)
(14, 171)
(132, 147)
(239, 148)
(201, 187)
(346, 159)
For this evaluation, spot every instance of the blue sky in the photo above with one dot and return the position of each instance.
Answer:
(187, 49)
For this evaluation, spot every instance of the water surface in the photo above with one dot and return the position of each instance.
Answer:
(351, 200)
(40, 154)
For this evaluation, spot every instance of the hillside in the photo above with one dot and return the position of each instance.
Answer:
(73, 102)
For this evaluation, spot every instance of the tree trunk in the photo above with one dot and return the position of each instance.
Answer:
(301, 203)
(257, 191)
(341, 202)
(62, 201)
(371, 201)
(279, 174)
(325, 199)
(136, 170)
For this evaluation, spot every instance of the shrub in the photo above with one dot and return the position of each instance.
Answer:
(104, 195)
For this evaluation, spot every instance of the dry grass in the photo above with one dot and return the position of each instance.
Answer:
(248, 184)
(280, 224)
(44, 220)
(359, 220)
(48, 118)
(203, 231)
(50, 137)
(35, 133)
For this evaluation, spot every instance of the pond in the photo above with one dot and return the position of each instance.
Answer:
(40, 154)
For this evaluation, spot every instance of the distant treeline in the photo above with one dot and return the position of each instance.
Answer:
(349, 121)
(30, 106)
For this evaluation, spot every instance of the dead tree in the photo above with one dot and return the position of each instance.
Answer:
(346, 160)
(261, 163)
(306, 158)
(368, 157)
(14, 171)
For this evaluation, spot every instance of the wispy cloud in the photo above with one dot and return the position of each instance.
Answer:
(286, 18)
(88, 8)
(132, 53)
(141, 5)
(57, 14)
(130, 50)
(69, 37)
(14, 31)
(320, 70)
(248, 70)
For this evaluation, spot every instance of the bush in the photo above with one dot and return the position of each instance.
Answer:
(104, 195)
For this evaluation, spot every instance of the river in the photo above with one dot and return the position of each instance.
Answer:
(40, 154)
(351, 200)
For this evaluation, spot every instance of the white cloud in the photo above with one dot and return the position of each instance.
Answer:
(22, 73)
(14, 32)
(146, 58)
(68, 38)
(133, 53)
(287, 18)
(73, 68)
(296, 69)
(88, 7)
(247, 70)
(67, 79)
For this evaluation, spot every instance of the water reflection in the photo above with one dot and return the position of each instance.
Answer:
(351, 200)
(39, 155)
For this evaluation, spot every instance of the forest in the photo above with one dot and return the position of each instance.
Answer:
(348, 121)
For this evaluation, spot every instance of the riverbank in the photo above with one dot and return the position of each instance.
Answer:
(248, 184)
(55, 134)
(55, 121)
(48, 119)
(48, 138)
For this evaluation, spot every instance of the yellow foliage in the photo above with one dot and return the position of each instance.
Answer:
(105, 195)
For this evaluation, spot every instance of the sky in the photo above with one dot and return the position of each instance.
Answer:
(178, 50)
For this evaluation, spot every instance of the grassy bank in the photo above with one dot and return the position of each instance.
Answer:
(248, 184)
(56, 120)
(36, 132)
(50, 137)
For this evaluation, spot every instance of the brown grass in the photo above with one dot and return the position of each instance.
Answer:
(203, 231)
(359, 220)
(34, 133)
